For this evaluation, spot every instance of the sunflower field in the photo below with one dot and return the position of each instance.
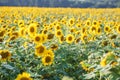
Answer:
(59, 43)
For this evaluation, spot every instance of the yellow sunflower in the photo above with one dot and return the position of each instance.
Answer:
(32, 29)
(118, 29)
(71, 21)
(24, 76)
(107, 29)
(70, 38)
(38, 38)
(40, 50)
(5, 55)
(22, 32)
(49, 52)
(47, 60)
(58, 33)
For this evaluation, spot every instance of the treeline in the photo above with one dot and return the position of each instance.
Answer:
(63, 3)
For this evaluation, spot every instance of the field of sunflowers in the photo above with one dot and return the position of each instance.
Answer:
(59, 43)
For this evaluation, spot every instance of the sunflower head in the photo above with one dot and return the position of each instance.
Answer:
(40, 50)
(32, 29)
(47, 60)
(5, 55)
(24, 76)
(54, 47)
(70, 38)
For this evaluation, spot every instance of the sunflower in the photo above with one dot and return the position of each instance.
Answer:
(1, 39)
(118, 29)
(61, 39)
(70, 38)
(103, 62)
(24, 76)
(40, 50)
(13, 37)
(22, 32)
(72, 30)
(88, 23)
(83, 38)
(47, 60)
(50, 36)
(49, 52)
(77, 40)
(83, 30)
(71, 21)
(44, 38)
(2, 33)
(54, 47)
(99, 30)
(32, 29)
(107, 29)
(44, 31)
(20, 22)
(95, 23)
(58, 33)
(38, 38)
(57, 27)
(5, 54)
(93, 29)
(78, 25)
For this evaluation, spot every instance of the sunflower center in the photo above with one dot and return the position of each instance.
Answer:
(4, 54)
(31, 29)
(41, 49)
(83, 30)
(88, 23)
(62, 38)
(1, 33)
(58, 33)
(93, 28)
(106, 28)
(50, 36)
(47, 59)
(70, 38)
(71, 21)
(95, 23)
(119, 28)
(37, 38)
(98, 30)
(24, 78)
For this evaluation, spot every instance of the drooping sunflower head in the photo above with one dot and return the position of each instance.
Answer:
(2, 33)
(20, 22)
(70, 38)
(61, 39)
(54, 47)
(44, 38)
(24, 76)
(99, 31)
(50, 36)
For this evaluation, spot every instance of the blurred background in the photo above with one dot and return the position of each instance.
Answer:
(63, 3)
